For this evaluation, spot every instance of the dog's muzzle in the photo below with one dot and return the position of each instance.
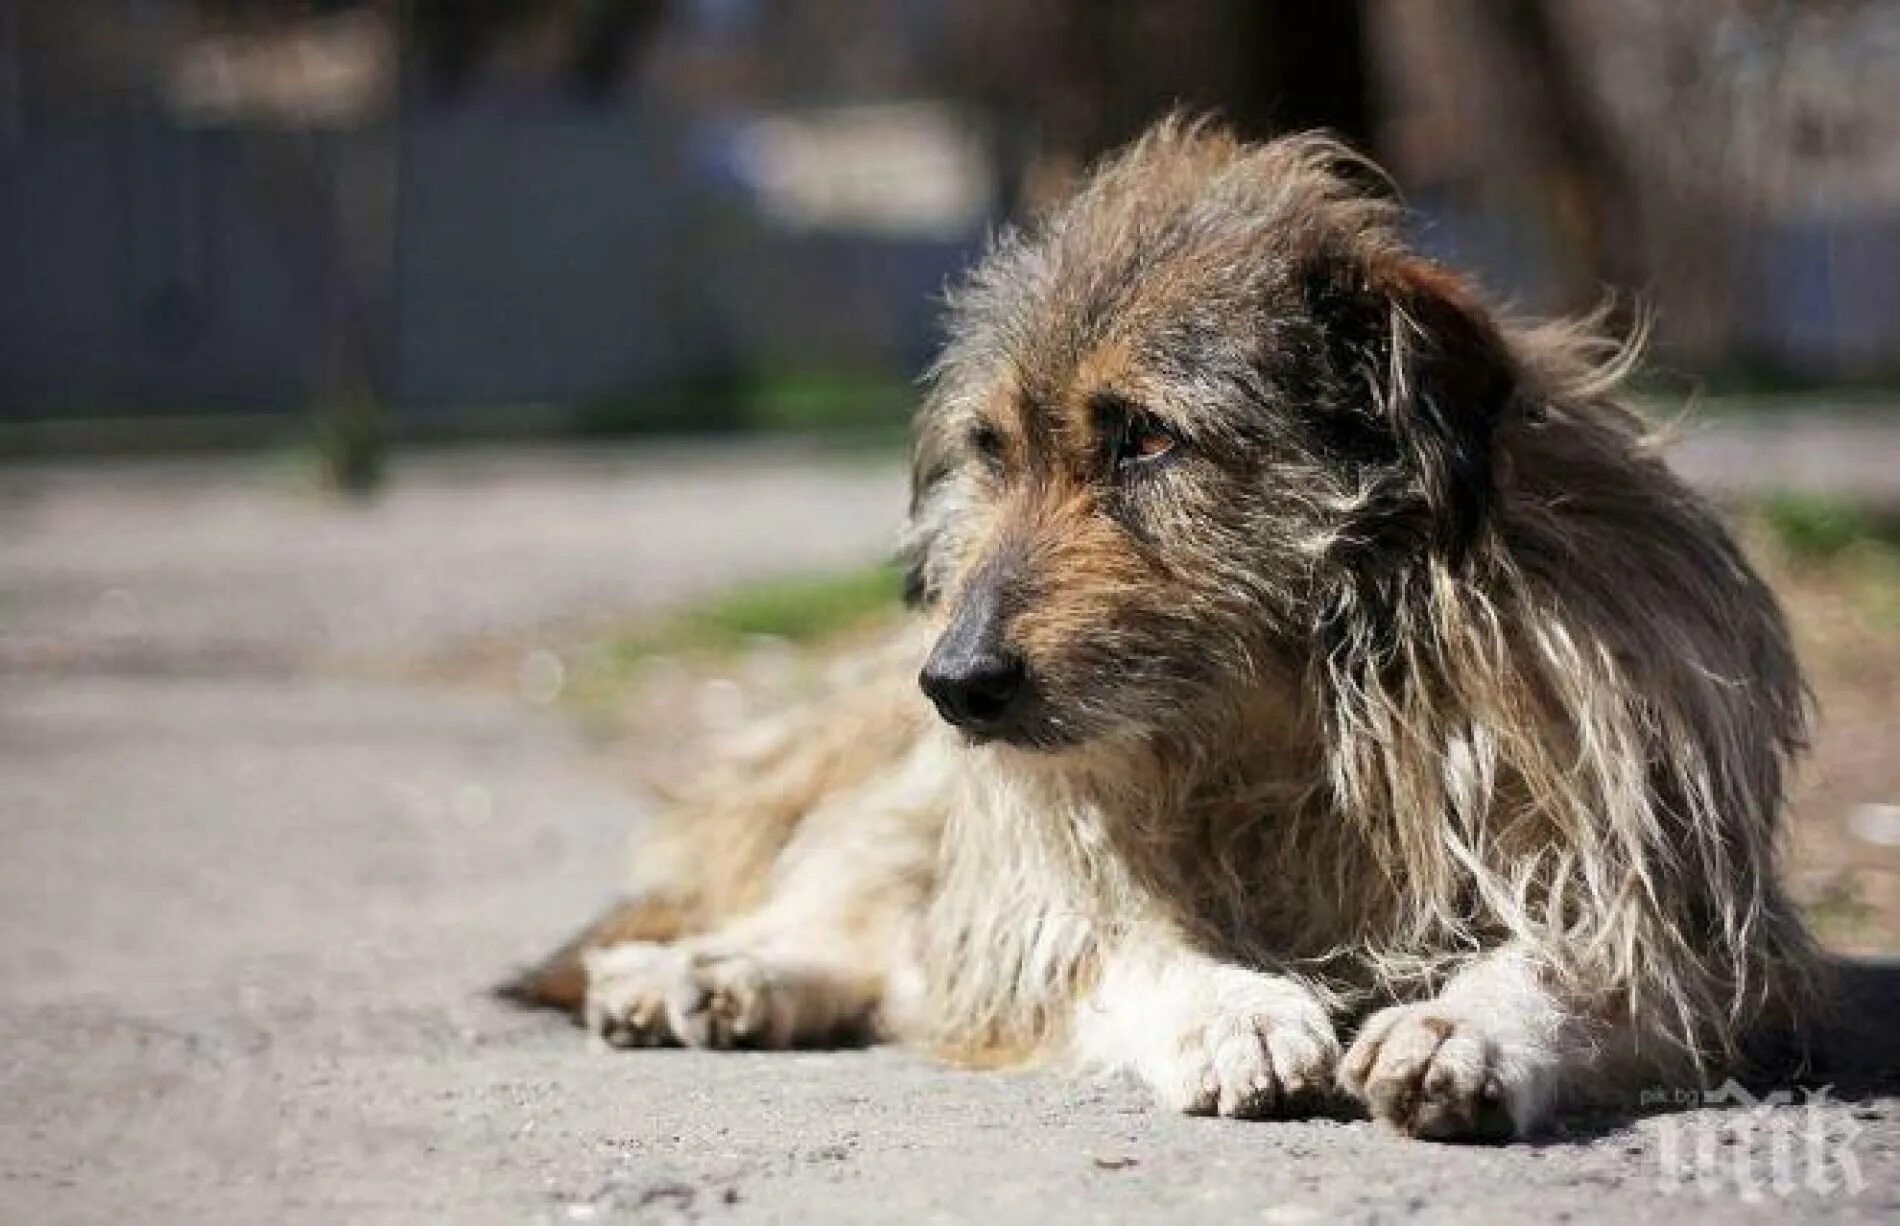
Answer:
(975, 680)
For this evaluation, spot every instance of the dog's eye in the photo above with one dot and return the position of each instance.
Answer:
(1132, 437)
(1142, 440)
(987, 443)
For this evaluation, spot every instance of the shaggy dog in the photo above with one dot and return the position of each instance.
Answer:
(1297, 644)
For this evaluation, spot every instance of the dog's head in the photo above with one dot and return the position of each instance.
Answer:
(1205, 398)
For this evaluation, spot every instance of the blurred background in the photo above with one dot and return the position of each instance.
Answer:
(234, 220)
(429, 427)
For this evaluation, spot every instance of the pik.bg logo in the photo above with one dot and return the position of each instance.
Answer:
(1773, 1144)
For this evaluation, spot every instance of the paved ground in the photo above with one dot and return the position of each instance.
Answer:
(248, 900)
(217, 567)
(1850, 454)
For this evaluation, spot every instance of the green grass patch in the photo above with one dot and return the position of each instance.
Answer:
(1850, 548)
(1840, 914)
(823, 402)
(768, 401)
(801, 611)
(1818, 528)
(806, 611)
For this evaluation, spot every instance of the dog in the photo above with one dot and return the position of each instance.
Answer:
(1298, 648)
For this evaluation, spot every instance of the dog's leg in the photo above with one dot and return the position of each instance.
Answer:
(776, 994)
(1482, 1061)
(626, 991)
(807, 968)
(1207, 1036)
(731, 990)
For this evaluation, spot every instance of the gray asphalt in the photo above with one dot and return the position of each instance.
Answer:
(1792, 448)
(250, 897)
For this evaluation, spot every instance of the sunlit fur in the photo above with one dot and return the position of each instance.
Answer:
(1415, 680)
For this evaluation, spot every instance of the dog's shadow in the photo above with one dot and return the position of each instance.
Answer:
(1852, 1052)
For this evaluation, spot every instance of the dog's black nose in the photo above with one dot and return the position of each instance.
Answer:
(973, 689)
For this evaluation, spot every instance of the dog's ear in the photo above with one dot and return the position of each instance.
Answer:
(1419, 343)
(1449, 383)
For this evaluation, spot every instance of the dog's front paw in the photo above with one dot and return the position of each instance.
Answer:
(626, 993)
(1266, 1049)
(1435, 1073)
(723, 1000)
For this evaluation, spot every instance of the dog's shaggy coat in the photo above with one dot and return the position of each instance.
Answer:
(1320, 647)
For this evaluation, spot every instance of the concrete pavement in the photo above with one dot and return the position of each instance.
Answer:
(250, 895)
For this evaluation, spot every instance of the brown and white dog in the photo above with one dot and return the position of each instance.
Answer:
(1297, 645)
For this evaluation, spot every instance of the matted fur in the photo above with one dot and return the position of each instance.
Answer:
(1403, 674)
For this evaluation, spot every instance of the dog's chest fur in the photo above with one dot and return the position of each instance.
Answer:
(1044, 867)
